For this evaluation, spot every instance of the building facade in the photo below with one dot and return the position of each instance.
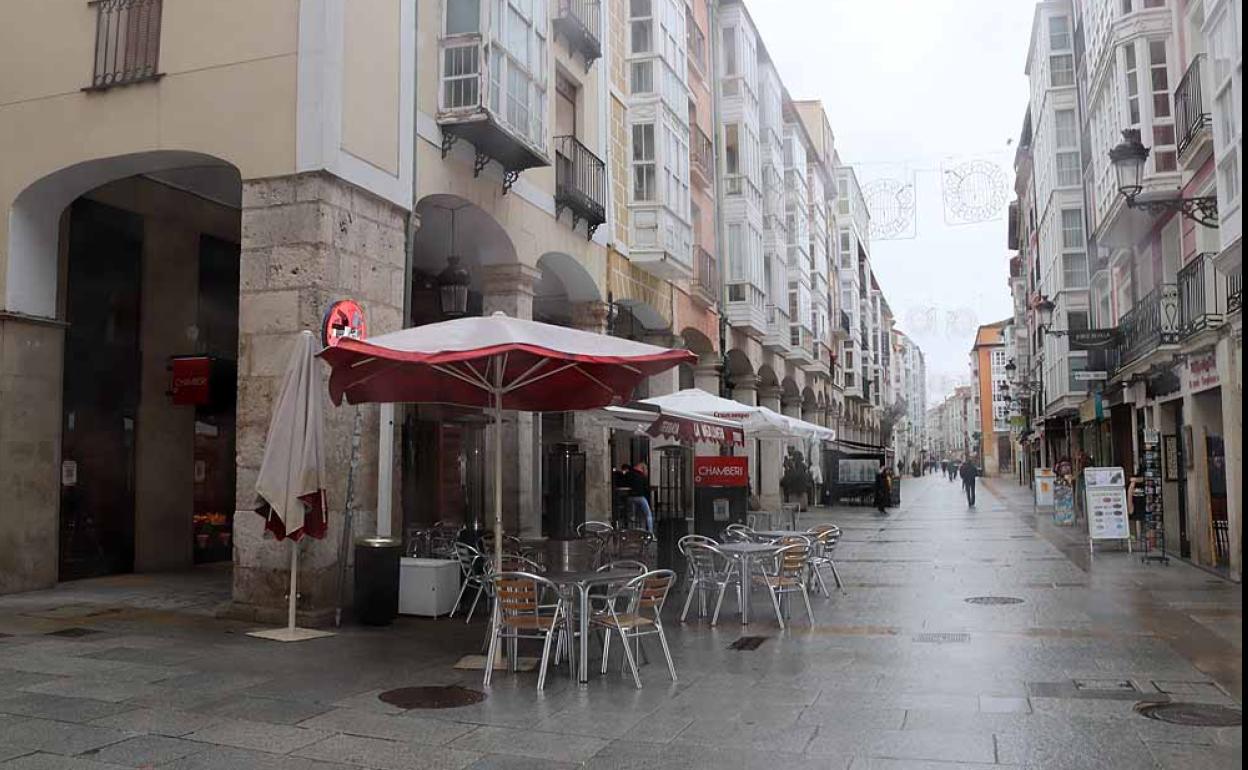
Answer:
(991, 390)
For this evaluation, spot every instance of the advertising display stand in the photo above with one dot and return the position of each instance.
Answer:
(1063, 495)
(721, 489)
(1042, 492)
(1106, 500)
(1154, 512)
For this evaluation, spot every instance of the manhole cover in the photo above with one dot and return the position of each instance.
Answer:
(1106, 685)
(448, 697)
(941, 638)
(994, 600)
(747, 643)
(72, 633)
(1191, 714)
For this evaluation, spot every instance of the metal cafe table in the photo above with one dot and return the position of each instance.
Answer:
(744, 553)
(581, 582)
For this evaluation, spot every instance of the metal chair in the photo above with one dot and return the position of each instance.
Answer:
(710, 569)
(787, 575)
(594, 528)
(826, 536)
(473, 569)
(738, 533)
(635, 610)
(523, 610)
(631, 544)
(682, 546)
(442, 537)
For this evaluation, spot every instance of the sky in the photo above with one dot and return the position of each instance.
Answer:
(916, 86)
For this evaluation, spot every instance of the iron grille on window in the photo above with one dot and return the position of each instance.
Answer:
(127, 42)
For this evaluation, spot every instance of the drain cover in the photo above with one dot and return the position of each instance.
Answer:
(448, 697)
(941, 638)
(747, 643)
(1106, 685)
(73, 633)
(994, 600)
(1191, 714)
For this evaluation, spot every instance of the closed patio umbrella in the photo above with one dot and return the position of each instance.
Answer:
(495, 362)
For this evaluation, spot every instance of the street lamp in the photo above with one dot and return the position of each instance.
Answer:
(453, 284)
(1128, 158)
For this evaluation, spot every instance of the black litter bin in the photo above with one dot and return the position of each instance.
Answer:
(377, 580)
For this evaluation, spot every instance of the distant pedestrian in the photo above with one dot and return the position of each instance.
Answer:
(968, 472)
(639, 494)
(883, 491)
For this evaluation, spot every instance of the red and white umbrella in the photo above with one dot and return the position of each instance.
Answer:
(495, 362)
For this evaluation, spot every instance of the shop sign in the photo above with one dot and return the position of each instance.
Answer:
(695, 431)
(1091, 409)
(1089, 375)
(1106, 498)
(721, 471)
(1202, 372)
(191, 380)
(343, 320)
(1093, 339)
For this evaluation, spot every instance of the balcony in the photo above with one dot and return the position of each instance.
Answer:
(503, 123)
(701, 159)
(1202, 296)
(580, 184)
(127, 42)
(1192, 119)
(746, 308)
(1153, 322)
(846, 324)
(801, 345)
(1234, 291)
(777, 337)
(705, 278)
(579, 22)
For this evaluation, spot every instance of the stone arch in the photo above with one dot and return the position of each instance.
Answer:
(479, 240)
(739, 364)
(32, 271)
(789, 390)
(565, 294)
(767, 377)
(697, 342)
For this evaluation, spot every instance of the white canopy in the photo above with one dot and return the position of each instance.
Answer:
(687, 427)
(758, 421)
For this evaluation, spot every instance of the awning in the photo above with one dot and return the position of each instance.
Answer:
(757, 421)
(683, 427)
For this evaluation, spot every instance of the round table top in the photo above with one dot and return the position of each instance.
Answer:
(747, 548)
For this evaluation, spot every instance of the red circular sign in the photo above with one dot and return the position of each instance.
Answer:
(343, 319)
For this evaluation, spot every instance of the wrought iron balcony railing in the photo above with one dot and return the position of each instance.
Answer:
(1202, 296)
(1154, 321)
(1234, 291)
(127, 42)
(706, 273)
(1190, 113)
(702, 157)
(580, 183)
(580, 22)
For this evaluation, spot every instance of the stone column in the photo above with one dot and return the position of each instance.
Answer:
(590, 435)
(706, 373)
(668, 381)
(771, 455)
(510, 289)
(810, 413)
(745, 391)
(791, 407)
(307, 240)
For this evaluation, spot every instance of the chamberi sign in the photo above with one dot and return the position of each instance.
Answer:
(721, 471)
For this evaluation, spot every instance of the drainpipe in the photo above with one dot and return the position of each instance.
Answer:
(721, 245)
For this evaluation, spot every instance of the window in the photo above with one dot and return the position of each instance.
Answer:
(127, 42)
(1165, 157)
(643, 162)
(695, 41)
(732, 158)
(1068, 169)
(1074, 256)
(641, 26)
(463, 16)
(1133, 84)
(1062, 70)
(1066, 129)
(730, 52)
(1072, 229)
(517, 68)
(1059, 33)
(641, 77)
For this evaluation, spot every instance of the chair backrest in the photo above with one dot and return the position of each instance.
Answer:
(705, 560)
(632, 542)
(741, 535)
(650, 590)
(468, 558)
(594, 528)
(791, 560)
(632, 564)
(683, 544)
(521, 593)
(794, 540)
(516, 563)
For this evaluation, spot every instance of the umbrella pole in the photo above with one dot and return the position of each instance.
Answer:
(498, 481)
(294, 585)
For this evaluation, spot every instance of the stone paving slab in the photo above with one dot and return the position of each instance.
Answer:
(146, 751)
(58, 737)
(388, 755)
(259, 736)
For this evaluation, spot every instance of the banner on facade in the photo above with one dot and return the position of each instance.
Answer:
(1106, 497)
(1093, 339)
(1202, 372)
(690, 431)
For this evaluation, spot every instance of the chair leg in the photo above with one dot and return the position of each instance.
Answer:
(473, 608)
(606, 650)
(667, 653)
(719, 602)
(541, 676)
(809, 613)
(775, 602)
(462, 590)
(836, 576)
(823, 586)
(688, 600)
(628, 655)
(493, 650)
(513, 654)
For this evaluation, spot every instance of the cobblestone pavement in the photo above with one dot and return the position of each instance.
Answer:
(898, 672)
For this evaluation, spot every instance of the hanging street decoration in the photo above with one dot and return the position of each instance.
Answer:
(891, 202)
(974, 191)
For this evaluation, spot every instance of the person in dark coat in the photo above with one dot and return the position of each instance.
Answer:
(882, 488)
(968, 472)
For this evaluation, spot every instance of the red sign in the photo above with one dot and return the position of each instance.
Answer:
(721, 471)
(345, 318)
(191, 381)
(1202, 372)
(695, 431)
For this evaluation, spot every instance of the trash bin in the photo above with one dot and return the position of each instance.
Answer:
(377, 580)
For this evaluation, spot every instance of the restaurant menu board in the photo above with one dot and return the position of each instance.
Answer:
(857, 471)
(1154, 514)
(1063, 501)
(1106, 495)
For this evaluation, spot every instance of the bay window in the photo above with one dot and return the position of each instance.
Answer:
(643, 162)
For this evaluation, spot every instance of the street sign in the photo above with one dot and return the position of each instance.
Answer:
(1090, 376)
(1093, 339)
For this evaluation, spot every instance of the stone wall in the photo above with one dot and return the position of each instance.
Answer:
(307, 240)
(31, 357)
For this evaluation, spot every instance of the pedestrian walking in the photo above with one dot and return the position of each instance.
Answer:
(968, 472)
(638, 479)
(883, 489)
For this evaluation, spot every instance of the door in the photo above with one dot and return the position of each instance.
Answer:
(1185, 541)
(101, 391)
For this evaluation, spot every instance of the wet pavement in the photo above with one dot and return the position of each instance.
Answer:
(899, 671)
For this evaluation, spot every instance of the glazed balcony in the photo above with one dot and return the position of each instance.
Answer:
(580, 184)
(701, 159)
(1202, 296)
(579, 23)
(502, 124)
(1152, 323)
(777, 337)
(1192, 118)
(706, 277)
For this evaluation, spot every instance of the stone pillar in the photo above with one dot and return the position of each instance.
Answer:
(1229, 353)
(667, 381)
(745, 391)
(811, 414)
(510, 289)
(791, 407)
(307, 240)
(771, 455)
(706, 373)
(592, 437)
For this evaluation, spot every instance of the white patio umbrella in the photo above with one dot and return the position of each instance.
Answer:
(758, 421)
(290, 489)
(495, 362)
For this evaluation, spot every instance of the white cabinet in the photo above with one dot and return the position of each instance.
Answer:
(428, 586)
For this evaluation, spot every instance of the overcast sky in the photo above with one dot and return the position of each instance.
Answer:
(912, 85)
